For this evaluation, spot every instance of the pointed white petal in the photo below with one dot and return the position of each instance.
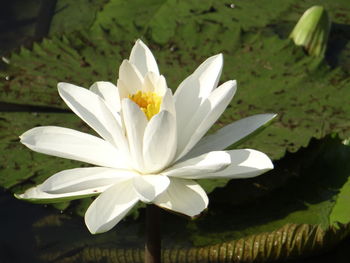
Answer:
(161, 86)
(124, 92)
(205, 78)
(205, 163)
(187, 102)
(150, 82)
(135, 122)
(38, 196)
(245, 163)
(168, 102)
(230, 134)
(109, 92)
(79, 179)
(195, 89)
(130, 77)
(143, 58)
(150, 186)
(154, 83)
(205, 117)
(183, 196)
(208, 74)
(71, 144)
(110, 207)
(93, 110)
(159, 142)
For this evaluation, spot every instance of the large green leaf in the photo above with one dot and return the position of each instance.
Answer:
(74, 15)
(161, 19)
(310, 186)
(21, 167)
(273, 75)
(341, 210)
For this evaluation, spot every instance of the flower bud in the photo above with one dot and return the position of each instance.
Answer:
(312, 31)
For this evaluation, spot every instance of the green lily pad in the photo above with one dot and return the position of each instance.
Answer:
(307, 187)
(74, 15)
(273, 75)
(271, 72)
(162, 19)
(20, 167)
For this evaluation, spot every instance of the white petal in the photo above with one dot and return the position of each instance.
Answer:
(183, 196)
(245, 163)
(161, 86)
(159, 142)
(71, 144)
(79, 179)
(93, 110)
(208, 74)
(230, 134)
(143, 58)
(135, 122)
(150, 82)
(124, 92)
(187, 100)
(205, 163)
(205, 78)
(37, 195)
(196, 88)
(109, 92)
(154, 83)
(205, 117)
(110, 207)
(130, 77)
(168, 102)
(150, 186)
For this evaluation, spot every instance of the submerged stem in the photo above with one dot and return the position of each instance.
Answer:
(152, 248)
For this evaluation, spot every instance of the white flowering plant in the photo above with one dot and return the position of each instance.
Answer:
(152, 146)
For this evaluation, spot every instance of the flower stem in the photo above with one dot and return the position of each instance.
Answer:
(152, 248)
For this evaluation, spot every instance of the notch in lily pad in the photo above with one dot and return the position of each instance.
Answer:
(312, 31)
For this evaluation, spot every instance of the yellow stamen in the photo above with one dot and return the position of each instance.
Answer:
(149, 102)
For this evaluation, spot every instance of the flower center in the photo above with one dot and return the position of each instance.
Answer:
(149, 102)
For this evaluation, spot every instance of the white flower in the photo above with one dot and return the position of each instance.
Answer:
(152, 147)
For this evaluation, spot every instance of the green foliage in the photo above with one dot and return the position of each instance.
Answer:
(307, 187)
(21, 168)
(341, 210)
(271, 72)
(161, 20)
(74, 15)
(274, 76)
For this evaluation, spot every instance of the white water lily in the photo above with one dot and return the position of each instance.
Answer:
(151, 147)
